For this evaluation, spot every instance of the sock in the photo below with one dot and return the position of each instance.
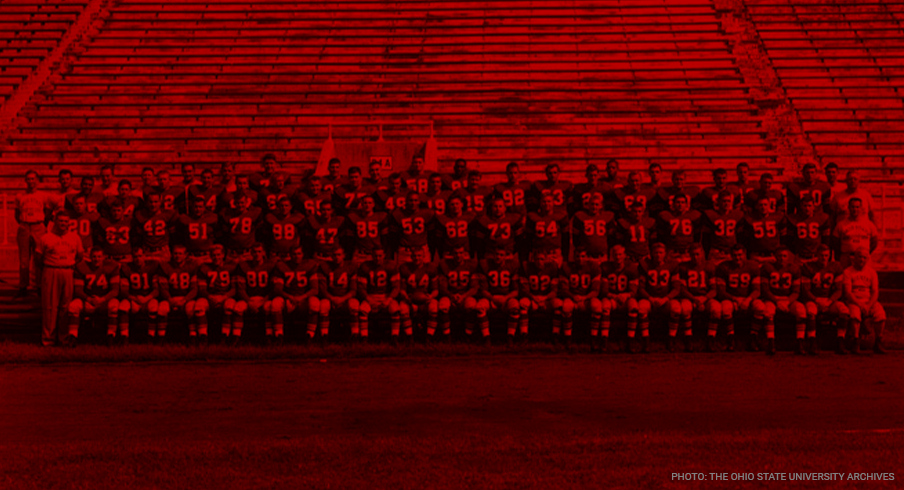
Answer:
(842, 326)
(512, 326)
(801, 327)
(729, 325)
(686, 327)
(395, 324)
(407, 326)
(645, 326)
(237, 325)
(770, 328)
(278, 324)
(712, 327)
(632, 325)
(605, 322)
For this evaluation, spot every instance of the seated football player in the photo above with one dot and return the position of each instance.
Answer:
(95, 291)
(620, 279)
(738, 288)
(378, 290)
(458, 287)
(698, 295)
(822, 286)
(217, 286)
(781, 289)
(499, 292)
(539, 292)
(296, 295)
(178, 292)
(139, 280)
(581, 283)
(337, 294)
(254, 280)
(419, 291)
(658, 290)
(861, 293)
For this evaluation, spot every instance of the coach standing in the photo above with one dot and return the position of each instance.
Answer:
(58, 251)
(31, 206)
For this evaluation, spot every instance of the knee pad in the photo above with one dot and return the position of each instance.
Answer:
(812, 310)
(444, 305)
(606, 306)
(715, 309)
(240, 307)
(685, 308)
(125, 306)
(633, 306)
(201, 307)
(354, 306)
(393, 307)
(325, 307)
(524, 305)
(758, 307)
(433, 307)
(566, 305)
(229, 305)
(113, 307)
(596, 306)
(482, 306)
(727, 309)
(470, 304)
(839, 308)
(363, 308)
(277, 305)
(163, 308)
(798, 310)
(643, 307)
(314, 305)
(769, 310)
(513, 307)
(404, 309)
(190, 308)
(75, 307)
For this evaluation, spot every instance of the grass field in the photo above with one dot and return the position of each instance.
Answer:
(525, 419)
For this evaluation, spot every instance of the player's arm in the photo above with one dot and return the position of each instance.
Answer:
(396, 282)
(474, 286)
(78, 288)
(603, 289)
(114, 289)
(193, 289)
(353, 287)
(642, 287)
(755, 289)
(795, 291)
(765, 289)
(312, 290)
(163, 286)
(241, 288)
(675, 283)
(835, 241)
(837, 289)
(806, 293)
(362, 286)
(279, 284)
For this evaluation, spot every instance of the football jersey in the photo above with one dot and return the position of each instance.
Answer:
(780, 280)
(592, 232)
(775, 198)
(453, 183)
(697, 279)
(115, 236)
(722, 229)
(298, 278)
(179, 278)
(619, 281)
(226, 200)
(809, 233)
(310, 203)
(378, 279)
(411, 229)
(545, 232)
(331, 183)
(635, 237)
(283, 233)
(861, 282)
(92, 201)
(540, 279)
(326, 236)
(170, 196)
(738, 279)
(210, 196)
(417, 278)
(454, 231)
(823, 281)
(129, 205)
(268, 199)
(416, 181)
(623, 198)
(96, 279)
(819, 191)
(346, 198)
(580, 278)
(217, 279)
(389, 201)
(583, 194)
(561, 191)
(140, 281)
(706, 199)
(339, 279)
(259, 180)
(500, 279)
(498, 233)
(658, 279)
(764, 235)
(84, 226)
(474, 200)
(855, 234)
(458, 277)
(369, 231)
(239, 228)
(741, 191)
(515, 196)
(666, 195)
(679, 232)
(436, 202)
(155, 230)
(258, 278)
(197, 234)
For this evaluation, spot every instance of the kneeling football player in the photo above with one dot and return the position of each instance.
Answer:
(179, 292)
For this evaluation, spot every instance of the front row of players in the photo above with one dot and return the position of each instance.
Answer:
(419, 295)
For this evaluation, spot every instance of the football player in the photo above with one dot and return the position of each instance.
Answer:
(283, 229)
(590, 230)
(619, 285)
(781, 288)
(763, 229)
(822, 286)
(378, 288)
(419, 291)
(499, 292)
(298, 291)
(96, 291)
(635, 232)
(195, 230)
(581, 286)
(179, 292)
(140, 283)
(738, 288)
(255, 280)
(370, 229)
(410, 226)
(861, 293)
(658, 290)
(514, 191)
(216, 284)
(698, 294)
(539, 290)
(721, 227)
(497, 228)
(338, 294)
(458, 287)
(238, 226)
(679, 227)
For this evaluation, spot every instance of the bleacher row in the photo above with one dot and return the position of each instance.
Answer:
(29, 31)
(165, 81)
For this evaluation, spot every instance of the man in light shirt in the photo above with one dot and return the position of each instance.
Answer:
(861, 294)
(58, 251)
(31, 207)
(854, 232)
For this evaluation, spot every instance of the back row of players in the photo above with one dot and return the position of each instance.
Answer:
(420, 245)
